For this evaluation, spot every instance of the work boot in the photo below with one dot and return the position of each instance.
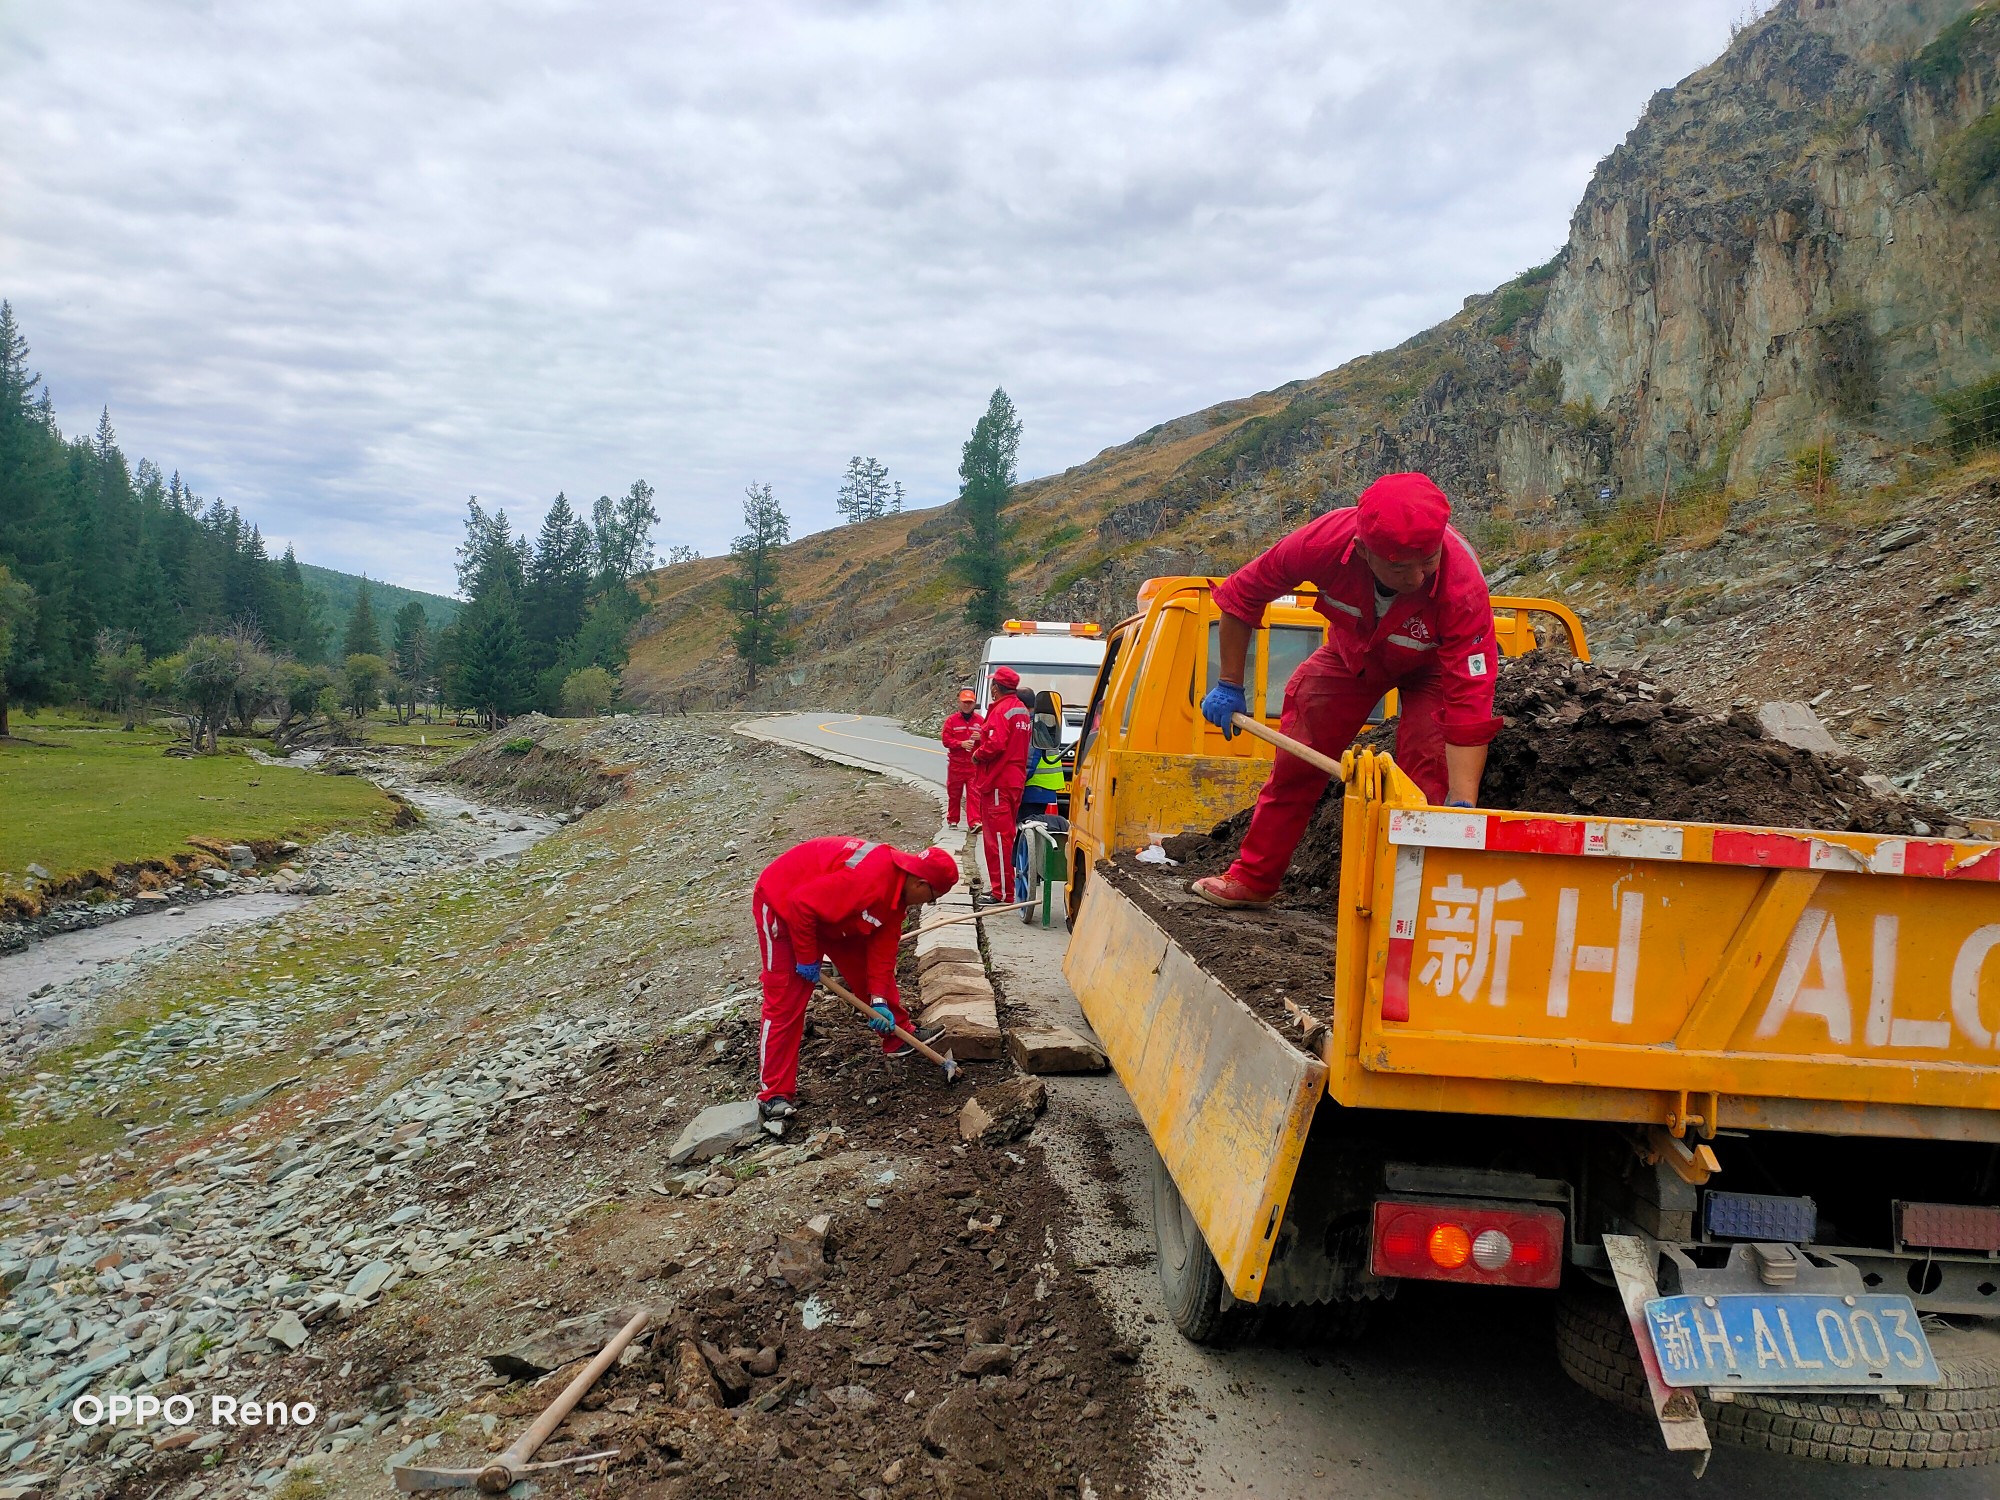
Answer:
(1223, 890)
(928, 1035)
(778, 1108)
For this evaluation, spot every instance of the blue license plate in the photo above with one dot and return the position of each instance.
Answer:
(1789, 1341)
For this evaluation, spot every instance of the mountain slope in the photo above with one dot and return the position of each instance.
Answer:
(1797, 246)
(340, 590)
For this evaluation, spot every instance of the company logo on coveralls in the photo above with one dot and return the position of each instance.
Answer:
(121, 1408)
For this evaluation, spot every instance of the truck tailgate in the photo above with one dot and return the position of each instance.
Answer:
(1625, 969)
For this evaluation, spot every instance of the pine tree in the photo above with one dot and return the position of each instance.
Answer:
(752, 591)
(493, 674)
(558, 581)
(362, 638)
(986, 469)
(412, 652)
(866, 491)
(17, 613)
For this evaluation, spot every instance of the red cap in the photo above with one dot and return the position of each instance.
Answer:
(1006, 677)
(935, 867)
(1403, 517)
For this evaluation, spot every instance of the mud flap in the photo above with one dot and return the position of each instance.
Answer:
(1227, 1100)
(1678, 1411)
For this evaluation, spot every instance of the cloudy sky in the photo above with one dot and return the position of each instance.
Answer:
(346, 264)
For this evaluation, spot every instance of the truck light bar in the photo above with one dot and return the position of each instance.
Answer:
(1052, 627)
(1502, 1244)
(1948, 1226)
(1760, 1216)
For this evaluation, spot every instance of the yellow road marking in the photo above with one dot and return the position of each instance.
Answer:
(907, 742)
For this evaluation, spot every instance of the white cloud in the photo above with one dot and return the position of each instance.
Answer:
(347, 264)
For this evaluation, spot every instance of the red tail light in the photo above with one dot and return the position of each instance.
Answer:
(1506, 1245)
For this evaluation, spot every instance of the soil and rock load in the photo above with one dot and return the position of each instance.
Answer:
(1578, 739)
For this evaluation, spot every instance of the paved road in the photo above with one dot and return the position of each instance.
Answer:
(856, 737)
(1452, 1395)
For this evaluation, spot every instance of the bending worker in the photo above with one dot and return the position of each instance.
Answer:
(844, 899)
(1406, 608)
(960, 734)
(1002, 760)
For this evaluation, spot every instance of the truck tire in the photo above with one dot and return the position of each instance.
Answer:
(1951, 1426)
(1190, 1280)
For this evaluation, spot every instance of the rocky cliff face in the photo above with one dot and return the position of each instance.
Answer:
(1778, 249)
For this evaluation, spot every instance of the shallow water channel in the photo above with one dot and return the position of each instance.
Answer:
(66, 956)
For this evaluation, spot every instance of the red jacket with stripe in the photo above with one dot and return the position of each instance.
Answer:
(1444, 628)
(1001, 758)
(833, 891)
(959, 734)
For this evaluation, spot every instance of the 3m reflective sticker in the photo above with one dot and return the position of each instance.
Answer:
(1533, 836)
(1888, 857)
(1826, 855)
(1637, 841)
(1775, 851)
(1436, 829)
(1404, 909)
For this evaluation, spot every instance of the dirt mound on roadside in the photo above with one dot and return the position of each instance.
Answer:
(1583, 740)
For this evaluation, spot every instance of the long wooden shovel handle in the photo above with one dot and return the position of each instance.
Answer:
(971, 916)
(500, 1475)
(836, 987)
(1291, 746)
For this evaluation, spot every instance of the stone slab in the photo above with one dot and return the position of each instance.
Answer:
(717, 1131)
(1795, 724)
(1047, 1048)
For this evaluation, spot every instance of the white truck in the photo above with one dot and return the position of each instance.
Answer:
(1052, 656)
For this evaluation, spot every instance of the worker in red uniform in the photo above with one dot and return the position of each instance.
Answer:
(1406, 608)
(960, 734)
(844, 899)
(1002, 759)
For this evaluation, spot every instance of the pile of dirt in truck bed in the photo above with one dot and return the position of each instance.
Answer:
(1578, 739)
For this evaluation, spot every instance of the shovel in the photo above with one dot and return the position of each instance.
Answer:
(944, 1060)
(970, 916)
(1291, 746)
(503, 1472)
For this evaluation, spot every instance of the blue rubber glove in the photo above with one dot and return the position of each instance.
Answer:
(885, 1020)
(808, 972)
(1223, 700)
(1457, 802)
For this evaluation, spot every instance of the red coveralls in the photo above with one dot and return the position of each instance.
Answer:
(1002, 759)
(1435, 646)
(838, 898)
(959, 734)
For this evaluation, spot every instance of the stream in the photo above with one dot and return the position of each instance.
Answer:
(25, 976)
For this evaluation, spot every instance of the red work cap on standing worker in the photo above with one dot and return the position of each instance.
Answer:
(935, 867)
(1402, 517)
(1006, 677)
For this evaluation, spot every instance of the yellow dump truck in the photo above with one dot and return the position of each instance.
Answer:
(1731, 1094)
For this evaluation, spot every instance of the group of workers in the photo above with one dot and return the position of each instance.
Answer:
(1407, 609)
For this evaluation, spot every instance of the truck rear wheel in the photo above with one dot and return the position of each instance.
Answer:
(1190, 1279)
(1950, 1426)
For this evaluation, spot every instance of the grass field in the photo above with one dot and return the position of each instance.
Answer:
(74, 799)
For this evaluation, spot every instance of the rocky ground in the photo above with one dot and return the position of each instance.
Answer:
(341, 1157)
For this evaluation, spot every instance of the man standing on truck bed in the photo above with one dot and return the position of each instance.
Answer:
(960, 734)
(1406, 608)
(1002, 761)
(844, 899)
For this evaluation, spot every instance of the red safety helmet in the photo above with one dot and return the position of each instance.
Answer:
(935, 867)
(1403, 517)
